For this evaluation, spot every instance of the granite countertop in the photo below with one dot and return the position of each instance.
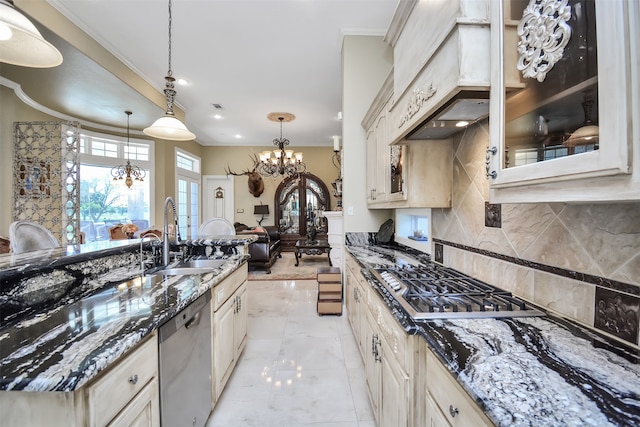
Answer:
(529, 371)
(67, 343)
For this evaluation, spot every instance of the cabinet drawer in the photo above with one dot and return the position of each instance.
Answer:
(450, 397)
(120, 384)
(223, 290)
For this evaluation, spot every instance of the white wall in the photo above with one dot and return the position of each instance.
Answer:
(366, 61)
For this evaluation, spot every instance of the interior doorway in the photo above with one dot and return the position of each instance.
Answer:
(217, 197)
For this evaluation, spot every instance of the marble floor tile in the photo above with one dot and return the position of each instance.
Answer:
(297, 369)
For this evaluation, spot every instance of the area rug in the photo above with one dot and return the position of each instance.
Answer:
(285, 268)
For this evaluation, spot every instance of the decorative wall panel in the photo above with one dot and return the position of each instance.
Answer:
(46, 177)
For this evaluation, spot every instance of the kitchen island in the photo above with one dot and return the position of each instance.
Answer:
(524, 371)
(70, 314)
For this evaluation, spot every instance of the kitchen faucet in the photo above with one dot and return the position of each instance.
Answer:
(165, 234)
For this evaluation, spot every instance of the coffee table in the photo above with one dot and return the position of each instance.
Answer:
(317, 247)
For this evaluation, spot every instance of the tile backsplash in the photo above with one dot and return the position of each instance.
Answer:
(571, 258)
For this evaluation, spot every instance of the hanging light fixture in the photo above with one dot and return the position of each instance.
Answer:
(588, 133)
(128, 172)
(21, 43)
(168, 126)
(284, 162)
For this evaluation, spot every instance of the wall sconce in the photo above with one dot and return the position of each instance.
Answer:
(261, 210)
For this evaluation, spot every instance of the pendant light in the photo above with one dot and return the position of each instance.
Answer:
(168, 126)
(588, 133)
(128, 172)
(21, 43)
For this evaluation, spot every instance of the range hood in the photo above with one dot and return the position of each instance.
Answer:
(464, 109)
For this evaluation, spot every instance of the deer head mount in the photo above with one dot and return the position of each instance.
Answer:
(255, 182)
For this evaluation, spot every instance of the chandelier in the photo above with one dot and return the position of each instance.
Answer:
(284, 162)
(168, 126)
(128, 172)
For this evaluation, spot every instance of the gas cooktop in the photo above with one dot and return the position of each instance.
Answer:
(436, 292)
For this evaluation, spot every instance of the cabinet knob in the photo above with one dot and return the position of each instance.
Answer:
(453, 411)
(133, 379)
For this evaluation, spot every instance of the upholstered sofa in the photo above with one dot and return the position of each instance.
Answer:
(266, 249)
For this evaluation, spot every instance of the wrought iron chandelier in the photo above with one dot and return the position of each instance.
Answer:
(168, 126)
(128, 172)
(284, 162)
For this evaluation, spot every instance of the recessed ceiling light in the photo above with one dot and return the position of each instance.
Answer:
(238, 136)
(462, 123)
(182, 82)
(217, 116)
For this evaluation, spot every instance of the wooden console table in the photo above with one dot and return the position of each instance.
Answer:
(318, 247)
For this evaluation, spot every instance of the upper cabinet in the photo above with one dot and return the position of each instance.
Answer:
(564, 101)
(386, 175)
(404, 175)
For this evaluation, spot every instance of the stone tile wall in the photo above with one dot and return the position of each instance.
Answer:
(580, 260)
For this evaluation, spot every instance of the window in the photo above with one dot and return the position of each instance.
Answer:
(105, 202)
(188, 193)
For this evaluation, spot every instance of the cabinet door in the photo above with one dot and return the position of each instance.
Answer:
(240, 326)
(394, 394)
(382, 158)
(353, 306)
(223, 344)
(372, 150)
(562, 123)
(435, 417)
(142, 411)
(371, 364)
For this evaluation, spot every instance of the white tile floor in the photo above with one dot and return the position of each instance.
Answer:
(298, 368)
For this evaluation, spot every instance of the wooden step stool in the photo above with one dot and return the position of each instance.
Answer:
(329, 291)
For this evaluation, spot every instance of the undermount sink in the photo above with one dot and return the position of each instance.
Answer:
(198, 266)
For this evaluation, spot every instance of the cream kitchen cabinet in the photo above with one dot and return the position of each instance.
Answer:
(125, 394)
(587, 85)
(447, 403)
(229, 327)
(412, 175)
(387, 371)
(121, 394)
(354, 298)
(386, 176)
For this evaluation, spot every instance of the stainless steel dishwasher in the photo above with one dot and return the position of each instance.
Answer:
(185, 366)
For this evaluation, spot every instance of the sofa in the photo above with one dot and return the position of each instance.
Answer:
(266, 249)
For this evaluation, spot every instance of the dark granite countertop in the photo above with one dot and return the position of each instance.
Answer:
(530, 371)
(74, 334)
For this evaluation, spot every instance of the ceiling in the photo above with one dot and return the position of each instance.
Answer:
(251, 57)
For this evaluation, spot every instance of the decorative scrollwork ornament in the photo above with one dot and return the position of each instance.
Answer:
(544, 33)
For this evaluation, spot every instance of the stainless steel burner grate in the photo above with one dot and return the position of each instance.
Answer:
(434, 291)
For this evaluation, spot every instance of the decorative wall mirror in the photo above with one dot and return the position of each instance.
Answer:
(299, 203)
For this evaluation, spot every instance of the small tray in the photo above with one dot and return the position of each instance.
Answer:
(419, 239)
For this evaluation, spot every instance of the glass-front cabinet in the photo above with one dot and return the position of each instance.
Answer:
(300, 202)
(564, 121)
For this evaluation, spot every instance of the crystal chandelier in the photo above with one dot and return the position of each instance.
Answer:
(284, 162)
(168, 126)
(128, 172)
